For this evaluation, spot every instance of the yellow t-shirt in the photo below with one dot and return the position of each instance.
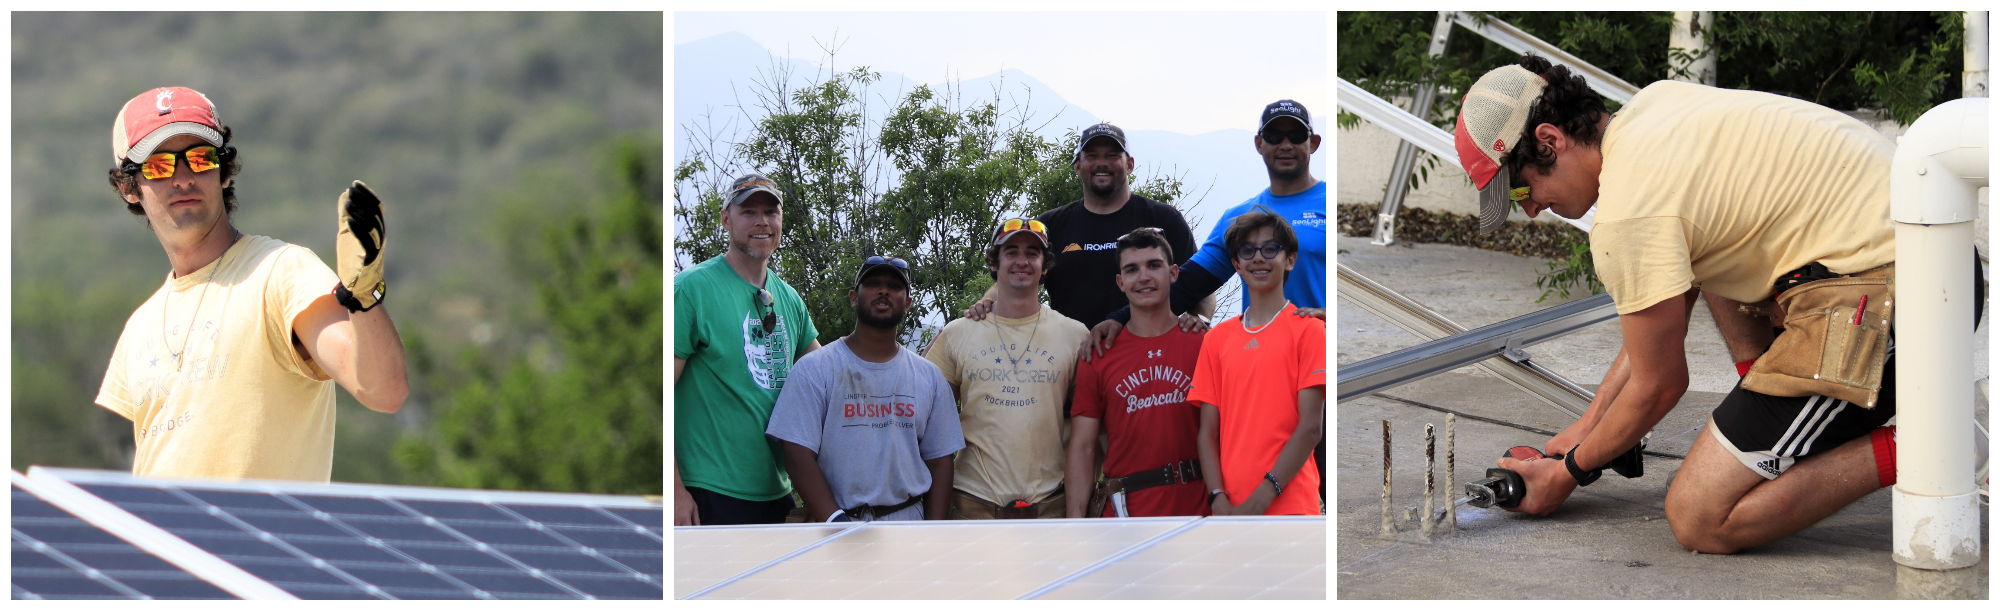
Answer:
(1013, 414)
(1727, 189)
(238, 401)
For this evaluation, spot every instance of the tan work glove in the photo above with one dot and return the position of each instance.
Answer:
(358, 250)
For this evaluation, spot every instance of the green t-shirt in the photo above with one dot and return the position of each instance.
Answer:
(722, 403)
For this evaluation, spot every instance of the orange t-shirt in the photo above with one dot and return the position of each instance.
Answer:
(1253, 380)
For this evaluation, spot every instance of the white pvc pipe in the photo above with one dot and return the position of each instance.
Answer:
(1940, 164)
(1976, 60)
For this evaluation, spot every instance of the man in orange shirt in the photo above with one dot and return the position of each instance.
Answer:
(1261, 383)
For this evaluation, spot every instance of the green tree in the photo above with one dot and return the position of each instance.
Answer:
(585, 415)
(926, 181)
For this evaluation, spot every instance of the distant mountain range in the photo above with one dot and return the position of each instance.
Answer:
(710, 74)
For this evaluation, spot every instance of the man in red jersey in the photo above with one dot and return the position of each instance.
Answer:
(1261, 384)
(1137, 393)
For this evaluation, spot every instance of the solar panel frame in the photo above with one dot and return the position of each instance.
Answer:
(357, 540)
(816, 563)
(147, 537)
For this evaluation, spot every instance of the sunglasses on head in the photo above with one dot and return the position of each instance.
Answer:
(763, 299)
(1296, 136)
(892, 261)
(1017, 224)
(200, 158)
(1271, 251)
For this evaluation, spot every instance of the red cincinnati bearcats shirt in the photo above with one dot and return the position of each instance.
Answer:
(1139, 391)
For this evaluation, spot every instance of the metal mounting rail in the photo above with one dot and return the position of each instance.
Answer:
(1427, 324)
(1504, 338)
(1506, 35)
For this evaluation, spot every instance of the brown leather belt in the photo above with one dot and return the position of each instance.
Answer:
(1183, 472)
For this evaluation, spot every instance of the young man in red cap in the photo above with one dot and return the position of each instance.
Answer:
(1261, 384)
(227, 370)
(1137, 394)
(1012, 374)
(1738, 195)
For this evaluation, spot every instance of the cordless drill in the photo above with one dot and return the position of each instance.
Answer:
(1504, 487)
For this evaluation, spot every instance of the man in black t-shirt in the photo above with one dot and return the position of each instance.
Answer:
(1085, 232)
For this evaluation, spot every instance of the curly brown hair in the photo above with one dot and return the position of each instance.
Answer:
(125, 177)
(1567, 103)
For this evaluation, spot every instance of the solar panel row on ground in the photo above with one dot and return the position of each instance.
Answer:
(392, 542)
(1233, 557)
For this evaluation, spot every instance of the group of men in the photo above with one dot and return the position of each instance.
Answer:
(1006, 412)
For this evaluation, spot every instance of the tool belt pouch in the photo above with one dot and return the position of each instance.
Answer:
(1098, 498)
(1822, 351)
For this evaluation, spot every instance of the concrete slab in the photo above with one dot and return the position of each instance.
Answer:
(1611, 540)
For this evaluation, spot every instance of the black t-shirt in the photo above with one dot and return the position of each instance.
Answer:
(1083, 284)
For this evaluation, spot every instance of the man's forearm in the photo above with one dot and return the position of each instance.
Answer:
(1195, 287)
(381, 376)
(938, 504)
(1292, 457)
(1077, 478)
(803, 465)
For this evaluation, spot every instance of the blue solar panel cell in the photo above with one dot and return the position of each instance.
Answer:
(59, 556)
(320, 545)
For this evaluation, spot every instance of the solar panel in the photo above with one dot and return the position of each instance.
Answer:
(1247, 557)
(355, 541)
(1219, 558)
(59, 556)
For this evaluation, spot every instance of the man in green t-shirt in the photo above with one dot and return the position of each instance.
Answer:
(737, 330)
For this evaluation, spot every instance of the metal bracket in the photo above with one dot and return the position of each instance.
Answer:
(1513, 350)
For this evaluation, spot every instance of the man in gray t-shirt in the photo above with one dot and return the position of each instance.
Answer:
(869, 427)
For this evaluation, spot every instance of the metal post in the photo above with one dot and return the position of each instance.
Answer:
(1430, 484)
(1450, 471)
(1388, 519)
(1406, 153)
(1497, 339)
(1934, 179)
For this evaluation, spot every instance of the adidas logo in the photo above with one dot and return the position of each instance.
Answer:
(1769, 466)
(1252, 345)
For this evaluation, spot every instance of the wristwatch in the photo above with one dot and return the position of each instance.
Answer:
(1212, 494)
(1583, 478)
(1274, 483)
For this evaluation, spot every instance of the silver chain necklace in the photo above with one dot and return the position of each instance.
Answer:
(1025, 348)
(175, 355)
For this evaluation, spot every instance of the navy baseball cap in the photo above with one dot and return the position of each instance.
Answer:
(1101, 130)
(1285, 108)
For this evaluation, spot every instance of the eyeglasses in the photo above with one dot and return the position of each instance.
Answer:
(1270, 250)
(200, 158)
(1296, 136)
(763, 299)
(1013, 225)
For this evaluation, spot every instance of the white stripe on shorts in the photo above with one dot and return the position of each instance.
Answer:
(1811, 418)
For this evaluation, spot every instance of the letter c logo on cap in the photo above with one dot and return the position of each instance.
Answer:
(164, 102)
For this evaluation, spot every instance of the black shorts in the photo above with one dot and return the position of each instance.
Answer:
(1768, 434)
(717, 509)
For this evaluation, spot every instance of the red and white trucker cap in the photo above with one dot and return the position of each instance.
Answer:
(157, 115)
(1490, 122)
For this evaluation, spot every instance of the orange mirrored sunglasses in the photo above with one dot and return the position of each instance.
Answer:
(200, 158)
(1031, 224)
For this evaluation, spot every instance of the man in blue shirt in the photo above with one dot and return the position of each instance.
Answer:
(1286, 142)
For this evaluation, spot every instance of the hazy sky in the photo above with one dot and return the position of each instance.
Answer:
(1183, 72)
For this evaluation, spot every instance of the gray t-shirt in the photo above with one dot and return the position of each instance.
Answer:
(873, 424)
